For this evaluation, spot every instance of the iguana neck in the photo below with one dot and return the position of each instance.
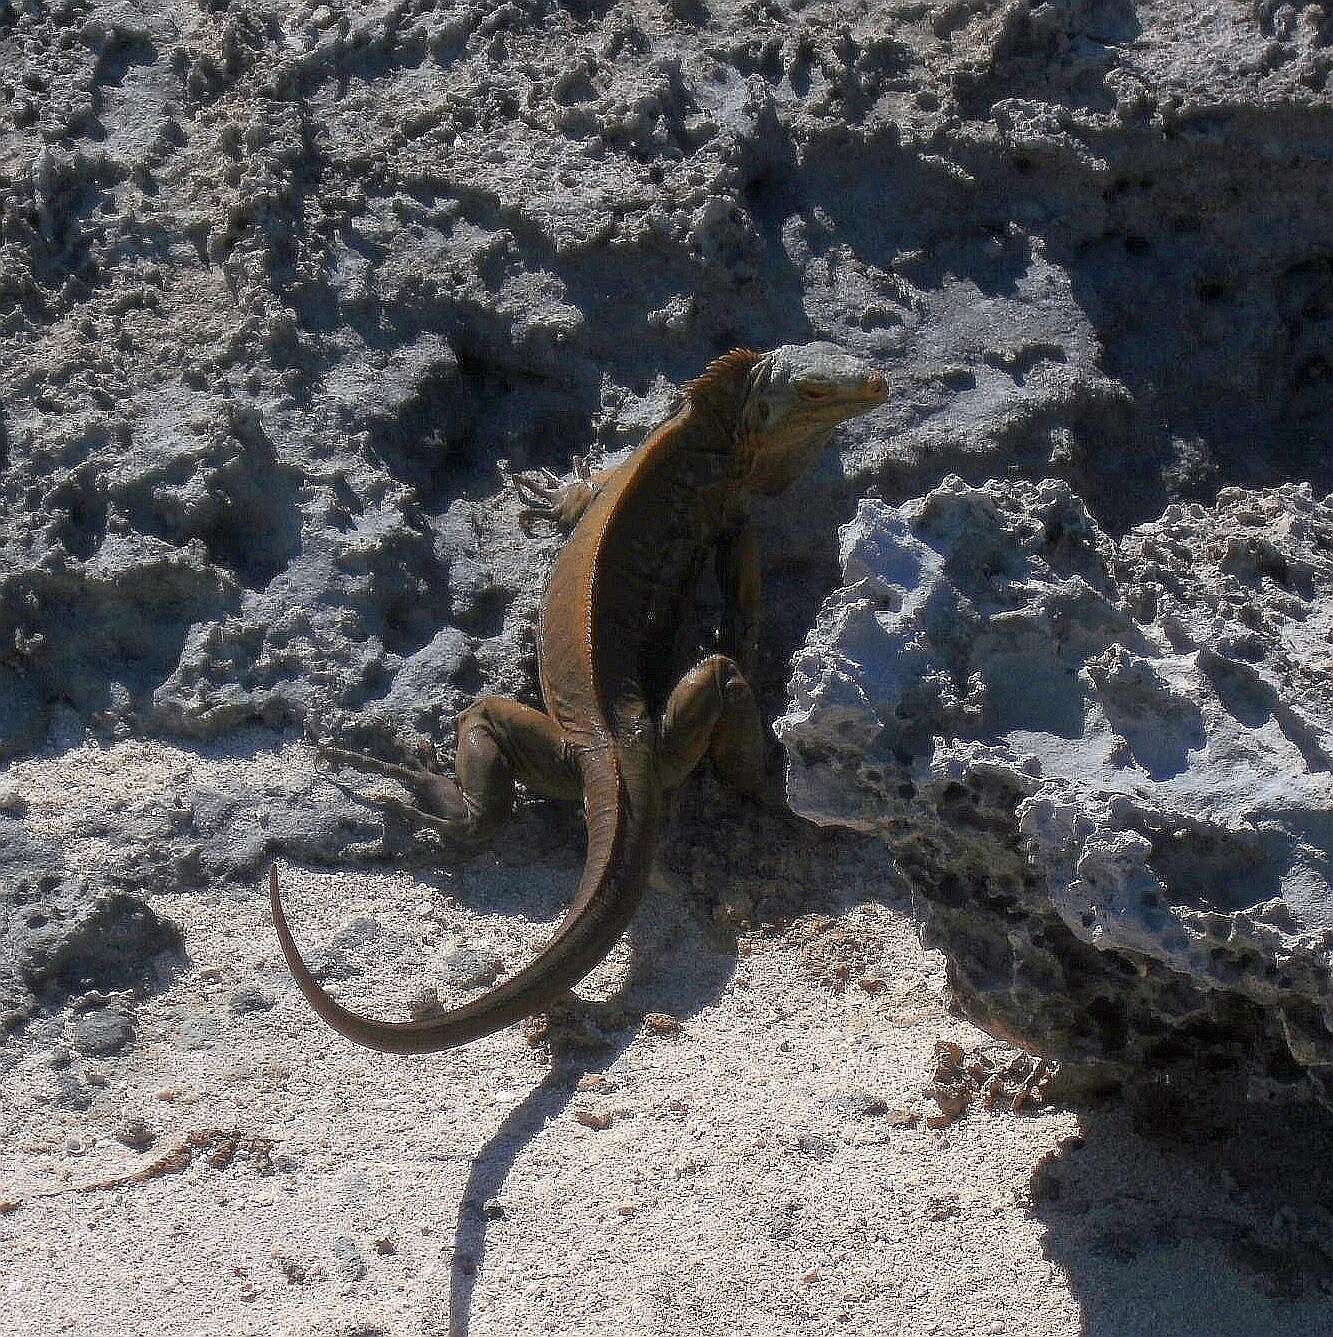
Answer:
(717, 396)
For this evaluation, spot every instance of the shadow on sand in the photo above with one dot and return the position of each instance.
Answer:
(588, 1037)
(1186, 1216)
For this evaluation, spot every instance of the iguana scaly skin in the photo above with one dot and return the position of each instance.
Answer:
(618, 729)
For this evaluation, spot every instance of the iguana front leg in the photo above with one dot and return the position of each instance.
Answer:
(547, 497)
(736, 558)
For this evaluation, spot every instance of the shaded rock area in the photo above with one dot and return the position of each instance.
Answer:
(1104, 768)
(60, 938)
(67, 934)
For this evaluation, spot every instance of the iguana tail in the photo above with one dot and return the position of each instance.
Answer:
(622, 832)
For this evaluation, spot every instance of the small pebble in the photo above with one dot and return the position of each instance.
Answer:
(816, 1144)
(599, 1119)
(135, 1133)
(198, 1030)
(248, 998)
(859, 1105)
(350, 1263)
(293, 1269)
(102, 1031)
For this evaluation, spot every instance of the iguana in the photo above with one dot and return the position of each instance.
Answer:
(618, 730)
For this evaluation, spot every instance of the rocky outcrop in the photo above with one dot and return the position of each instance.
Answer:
(280, 286)
(1105, 768)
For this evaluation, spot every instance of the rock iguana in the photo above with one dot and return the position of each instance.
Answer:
(618, 730)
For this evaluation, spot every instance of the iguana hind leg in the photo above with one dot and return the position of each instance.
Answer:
(499, 741)
(712, 712)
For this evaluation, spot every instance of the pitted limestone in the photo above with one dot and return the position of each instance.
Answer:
(1104, 767)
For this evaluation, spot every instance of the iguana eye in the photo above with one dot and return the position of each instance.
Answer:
(815, 391)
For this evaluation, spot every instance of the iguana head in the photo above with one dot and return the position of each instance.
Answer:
(794, 397)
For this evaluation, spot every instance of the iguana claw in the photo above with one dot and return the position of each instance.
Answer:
(541, 490)
(453, 828)
(440, 803)
(559, 504)
(536, 485)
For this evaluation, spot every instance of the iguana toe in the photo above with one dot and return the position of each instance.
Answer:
(439, 800)
(537, 486)
(457, 830)
(363, 761)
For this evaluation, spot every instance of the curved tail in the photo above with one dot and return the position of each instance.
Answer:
(622, 830)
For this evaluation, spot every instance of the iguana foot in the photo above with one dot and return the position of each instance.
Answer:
(440, 803)
(711, 712)
(546, 497)
(499, 741)
(458, 830)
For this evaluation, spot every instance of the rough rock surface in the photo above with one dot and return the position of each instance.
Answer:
(281, 285)
(1106, 769)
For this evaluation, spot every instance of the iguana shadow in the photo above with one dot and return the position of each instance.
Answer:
(586, 1037)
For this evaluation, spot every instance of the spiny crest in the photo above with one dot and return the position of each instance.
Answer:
(724, 370)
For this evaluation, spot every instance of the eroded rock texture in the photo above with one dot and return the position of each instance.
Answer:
(281, 284)
(1104, 767)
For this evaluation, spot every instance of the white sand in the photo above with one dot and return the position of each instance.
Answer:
(748, 1182)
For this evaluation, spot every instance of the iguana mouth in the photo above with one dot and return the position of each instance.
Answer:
(859, 397)
(851, 401)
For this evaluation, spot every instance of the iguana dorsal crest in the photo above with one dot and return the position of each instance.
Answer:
(722, 373)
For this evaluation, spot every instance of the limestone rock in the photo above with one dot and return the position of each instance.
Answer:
(1105, 767)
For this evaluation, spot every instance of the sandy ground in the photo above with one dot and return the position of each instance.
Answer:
(765, 1169)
